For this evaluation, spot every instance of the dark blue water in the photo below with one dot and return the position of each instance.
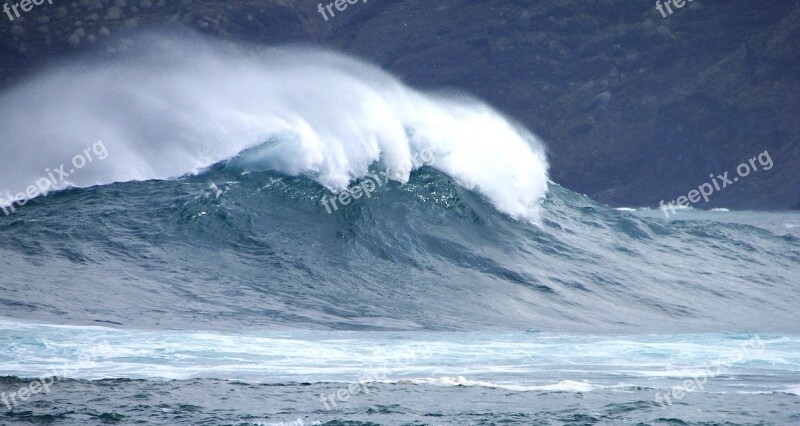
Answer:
(452, 312)
(191, 273)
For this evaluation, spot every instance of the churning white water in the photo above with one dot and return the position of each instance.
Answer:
(184, 103)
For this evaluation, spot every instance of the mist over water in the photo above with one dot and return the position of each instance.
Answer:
(193, 276)
(180, 105)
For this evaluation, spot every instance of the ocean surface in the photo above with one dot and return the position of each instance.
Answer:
(196, 271)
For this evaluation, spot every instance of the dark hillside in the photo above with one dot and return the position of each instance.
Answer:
(635, 108)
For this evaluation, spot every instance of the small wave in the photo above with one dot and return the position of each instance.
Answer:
(795, 390)
(563, 386)
(298, 422)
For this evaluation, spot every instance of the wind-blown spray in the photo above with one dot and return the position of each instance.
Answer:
(183, 104)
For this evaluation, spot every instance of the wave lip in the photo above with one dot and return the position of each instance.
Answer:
(298, 111)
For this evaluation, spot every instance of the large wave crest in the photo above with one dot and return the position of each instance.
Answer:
(182, 104)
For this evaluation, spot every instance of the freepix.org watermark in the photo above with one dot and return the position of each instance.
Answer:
(42, 385)
(720, 182)
(340, 5)
(367, 186)
(25, 5)
(698, 382)
(53, 178)
(666, 7)
(371, 183)
(375, 375)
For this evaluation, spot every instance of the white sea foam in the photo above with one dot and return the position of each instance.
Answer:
(184, 103)
(792, 391)
(517, 362)
(563, 386)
